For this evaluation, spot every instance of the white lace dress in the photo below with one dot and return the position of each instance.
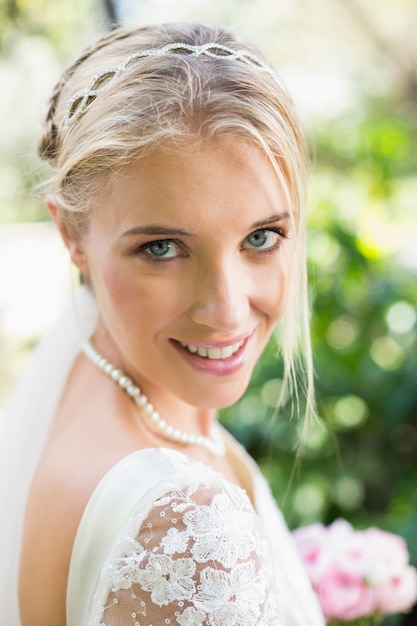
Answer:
(166, 540)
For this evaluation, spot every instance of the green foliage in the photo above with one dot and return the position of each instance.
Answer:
(60, 23)
(36, 39)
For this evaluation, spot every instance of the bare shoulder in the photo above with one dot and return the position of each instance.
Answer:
(55, 506)
(88, 438)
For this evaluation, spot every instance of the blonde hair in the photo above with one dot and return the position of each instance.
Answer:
(176, 100)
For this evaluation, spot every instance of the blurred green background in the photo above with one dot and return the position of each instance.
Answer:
(351, 69)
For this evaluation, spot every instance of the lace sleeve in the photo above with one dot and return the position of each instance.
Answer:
(198, 558)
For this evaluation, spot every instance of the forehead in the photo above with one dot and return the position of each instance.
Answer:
(221, 175)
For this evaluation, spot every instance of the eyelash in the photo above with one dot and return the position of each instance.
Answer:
(275, 246)
(145, 248)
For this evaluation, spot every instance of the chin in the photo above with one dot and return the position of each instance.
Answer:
(218, 400)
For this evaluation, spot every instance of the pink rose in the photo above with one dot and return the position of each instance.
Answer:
(399, 593)
(388, 547)
(307, 536)
(345, 596)
(357, 573)
(339, 529)
(310, 542)
(351, 553)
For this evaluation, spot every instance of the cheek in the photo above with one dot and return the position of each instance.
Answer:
(129, 299)
(117, 296)
(109, 283)
(274, 305)
(272, 291)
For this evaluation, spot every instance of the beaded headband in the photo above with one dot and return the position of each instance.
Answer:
(101, 81)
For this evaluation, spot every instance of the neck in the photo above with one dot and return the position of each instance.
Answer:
(198, 420)
(204, 419)
(201, 431)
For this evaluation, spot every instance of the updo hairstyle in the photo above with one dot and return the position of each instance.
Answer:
(176, 101)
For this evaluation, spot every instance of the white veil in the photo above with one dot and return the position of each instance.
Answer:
(28, 421)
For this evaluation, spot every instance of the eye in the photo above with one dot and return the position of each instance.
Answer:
(263, 239)
(161, 249)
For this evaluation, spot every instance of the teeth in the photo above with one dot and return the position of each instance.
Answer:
(214, 353)
(227, 351)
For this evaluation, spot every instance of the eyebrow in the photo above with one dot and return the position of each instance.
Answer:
(159, 229)
(280, 217)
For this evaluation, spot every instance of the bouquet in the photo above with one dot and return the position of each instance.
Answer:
(359, 575)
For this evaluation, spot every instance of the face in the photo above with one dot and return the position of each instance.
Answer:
(189, 255)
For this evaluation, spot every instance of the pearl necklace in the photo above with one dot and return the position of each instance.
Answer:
(213, 444)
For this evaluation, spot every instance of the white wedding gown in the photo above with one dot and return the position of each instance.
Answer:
(163, 539)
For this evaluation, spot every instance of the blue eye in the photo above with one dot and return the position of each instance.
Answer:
(162, 249)
(263, 239)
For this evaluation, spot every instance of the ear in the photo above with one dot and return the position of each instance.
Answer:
(73, 242)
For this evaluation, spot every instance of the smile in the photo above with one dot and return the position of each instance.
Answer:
(217, 354)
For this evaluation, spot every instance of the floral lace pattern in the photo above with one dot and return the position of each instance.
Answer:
(199, 558)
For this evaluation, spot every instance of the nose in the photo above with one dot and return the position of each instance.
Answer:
(221, 296)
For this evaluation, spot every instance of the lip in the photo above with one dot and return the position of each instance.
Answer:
(216, 367)
(219, 344)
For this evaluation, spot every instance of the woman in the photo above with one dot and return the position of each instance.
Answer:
(178, 187)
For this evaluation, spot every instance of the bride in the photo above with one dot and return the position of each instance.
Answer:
(178, 188)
